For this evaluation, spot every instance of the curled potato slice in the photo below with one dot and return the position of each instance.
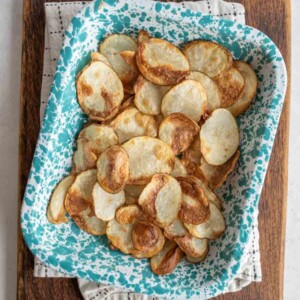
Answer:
(96, 56)
(193, 152)
(207, 57)
(213, 94)
(246, 97)
(167, 259)
(231, 84)
(175, 229)
(178, 131)
(99, 91)
(161, 62)
(219, 137)
(192, 246)
(128, 214)
(56, 211)
(106, 204)
(161, 199)
(212, 228)
(132, 123)
(113, 169)
(179, 168)
(147, 156)
(194, 207)
(79, 203)
(187, 97)
(148, 96)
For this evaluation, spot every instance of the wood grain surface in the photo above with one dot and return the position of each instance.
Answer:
(270, 16)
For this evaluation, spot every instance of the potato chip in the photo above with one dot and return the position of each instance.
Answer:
(212, 91)
(193, 152)
(219, 137)
(187, 97)
(106, 204)
(192, 246)
(96, 56)
(217, 175)
(161, 199)
(79, 203)
(175, 229)
(148, 156)
(113, 169)
(207, 57)
(194, 207)
(167, 259)
(99, 91)
(212, 228)
(56, 209)
(161, 62)
(179, 169)
(231, 84)
(194, 170)
(132, 123)
(128, 214)
(248, 94)
(92, 140)
(148, 96)
(195, 260)
(178, 131)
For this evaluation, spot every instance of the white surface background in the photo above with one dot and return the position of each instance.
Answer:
(10, 62)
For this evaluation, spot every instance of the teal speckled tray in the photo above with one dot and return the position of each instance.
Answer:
(66, 248)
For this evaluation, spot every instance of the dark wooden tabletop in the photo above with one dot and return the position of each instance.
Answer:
(270, 16)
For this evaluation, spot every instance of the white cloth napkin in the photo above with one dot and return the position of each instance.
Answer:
(58, 17)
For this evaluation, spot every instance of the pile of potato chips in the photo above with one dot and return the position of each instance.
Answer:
(162, 137)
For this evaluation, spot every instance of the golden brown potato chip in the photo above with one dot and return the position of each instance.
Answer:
(207, 57)
(193, 153)
(132, 123)
(56, 211)
(212, 91)
(178, 131)
(248, 94)
(96, 56)
(192, 246)
(99, 91)
(231, 84)
(179, 168)
(92, 140)
(79, 203)
(187, 97)
(212, 228)
(175, 229)
(195, 260)
(161, 199)
(217, 175)
(167, 259)
(194, 207)
(161, 62)
(194, 170)
(219, 137)
(106, 204)
(128, 214)
(113, 169)
(148, 96)
(147, 156)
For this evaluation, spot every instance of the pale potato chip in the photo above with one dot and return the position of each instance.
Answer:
(148, 96)
(231, 85)
(106, 204)
(79, 203)
(175, 229)
(113, 169)
(99, 91)
(187, 97)
(194, 207)
(193, 153)
(148, 156)
(213, 94)
(212, 228)
(161, 62)
(179, 169)
(219, 137)
(192, 246)
(143, 36)
(248, 94)
(207, 57)
(92, 140)
(195, 260)
(96, 56)
(167, 259)
(194, 170)
(161, 199)
(178, 131)
(56, 211)
(128, 214)
(217, 175)
(132, 123)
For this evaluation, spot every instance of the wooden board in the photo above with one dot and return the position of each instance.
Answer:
(271, 17)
